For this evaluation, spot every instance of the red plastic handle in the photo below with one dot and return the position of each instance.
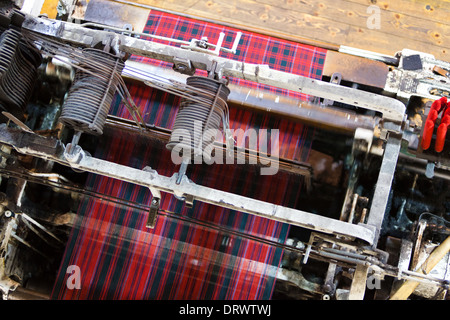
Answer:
(436, 108)
(442, 131)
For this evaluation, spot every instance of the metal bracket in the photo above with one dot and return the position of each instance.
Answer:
(183, 66)
(154, 205)
(153, 213)
(189, 201)
(203, 46)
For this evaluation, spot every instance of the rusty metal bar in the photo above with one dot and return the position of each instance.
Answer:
(265, 101)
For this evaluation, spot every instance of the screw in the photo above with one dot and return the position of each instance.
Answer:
(327, 288)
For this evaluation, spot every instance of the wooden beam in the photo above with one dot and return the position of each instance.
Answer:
(331, 22)
(392, 23)
(433, 10)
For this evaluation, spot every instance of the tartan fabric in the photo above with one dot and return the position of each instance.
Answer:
(193, 253)
(279, 54)
(120, 259)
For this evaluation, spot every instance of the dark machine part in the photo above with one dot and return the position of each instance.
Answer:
(23, 69)
(90, 96)
(19, 61)
(8, 44)
(208, 114)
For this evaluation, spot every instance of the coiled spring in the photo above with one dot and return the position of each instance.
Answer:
(19, 60)
(90, 96)
(208, 111)
(9, 40)
(22, 71)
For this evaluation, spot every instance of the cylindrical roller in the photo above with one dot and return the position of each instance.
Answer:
(91, 94)
(195, 118)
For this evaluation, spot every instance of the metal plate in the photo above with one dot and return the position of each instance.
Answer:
(356, 69)
(116, 14)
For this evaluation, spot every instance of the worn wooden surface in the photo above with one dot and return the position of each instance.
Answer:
(421, 25)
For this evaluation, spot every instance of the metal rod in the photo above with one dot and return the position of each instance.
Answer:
(25, 243)
(37, 224)
(369, 55)
(224, 199)
(92, 24)
(259, 100)
(182, 171)
(353, 208)
(383, 186)
(162, 134)
(30, 226)
(358, 287)
(76, 138)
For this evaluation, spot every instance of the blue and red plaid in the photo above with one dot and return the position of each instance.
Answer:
(253, 48)
(198, 252)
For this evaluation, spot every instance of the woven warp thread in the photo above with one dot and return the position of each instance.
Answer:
(119, 258)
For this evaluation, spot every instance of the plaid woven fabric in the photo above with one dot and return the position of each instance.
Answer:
(203, 252)
(253, 48)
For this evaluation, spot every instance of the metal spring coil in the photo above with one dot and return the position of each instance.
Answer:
(19, 79)
(9, 41)
(192, 112)
(91, 94)
(19, 61)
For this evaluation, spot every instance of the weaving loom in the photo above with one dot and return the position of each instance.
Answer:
(180, 259)
(151, 155)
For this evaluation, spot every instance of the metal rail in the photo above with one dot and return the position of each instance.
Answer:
(260, 100)
(391, 109)
(51, 149)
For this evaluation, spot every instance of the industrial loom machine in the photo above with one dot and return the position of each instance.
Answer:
(185, 159)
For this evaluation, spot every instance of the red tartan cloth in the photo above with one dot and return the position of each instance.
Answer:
(204, 252)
